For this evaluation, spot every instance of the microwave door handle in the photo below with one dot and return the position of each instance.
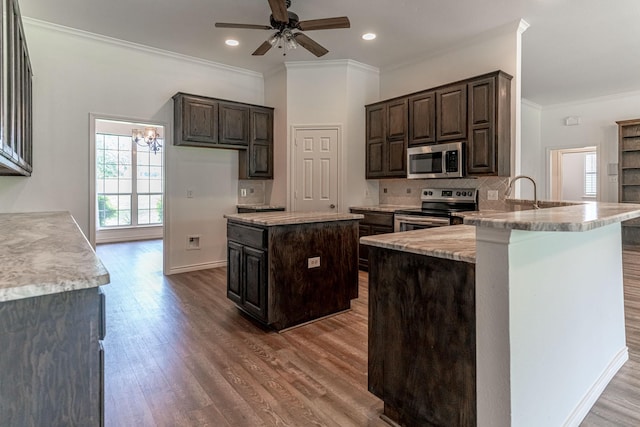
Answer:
(444, 162)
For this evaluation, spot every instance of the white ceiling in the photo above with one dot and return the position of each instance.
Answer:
(574, 49)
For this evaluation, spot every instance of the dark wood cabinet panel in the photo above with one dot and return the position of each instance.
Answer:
(198, 121)
(386, 142)
(233, 124)
(422, 119)
(51, 360)
(257, 161)
(489, 142)
(372, 223)
(234, 272)
(255, 286)
(15, 95)
(451, 113)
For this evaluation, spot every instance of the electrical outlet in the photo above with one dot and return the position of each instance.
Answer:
(193, 242)
(492, 195)
(189, 194)
(313, 262)
(243, 192)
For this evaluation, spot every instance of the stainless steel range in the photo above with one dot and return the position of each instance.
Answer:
(438, 207)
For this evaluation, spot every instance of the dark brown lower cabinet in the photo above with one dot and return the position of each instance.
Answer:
(269, 277)
(51, 360)
(422, 339)
(373, 223)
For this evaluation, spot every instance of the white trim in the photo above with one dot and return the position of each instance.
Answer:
(530, 104)
(137, 46)
(195, 267)
(128, 234)
(331, 63)
(292, 157)
(575, 148)
(582, 409)
(596, 99)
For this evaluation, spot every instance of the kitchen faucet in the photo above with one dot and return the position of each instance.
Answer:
(535, 192)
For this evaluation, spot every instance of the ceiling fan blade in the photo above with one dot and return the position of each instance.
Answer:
(246, 26)
(324, 24)
(262, 49)
(311, 45)
(279, 10)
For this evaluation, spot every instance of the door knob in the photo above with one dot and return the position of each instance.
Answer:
(332, 206)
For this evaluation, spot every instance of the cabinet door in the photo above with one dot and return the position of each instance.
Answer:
(396, 147)
(451, 113)
(363, 250)
(481, 148)
(261, 144)
(234, 124)
(234, 272)
(199, 121)
(375, 141)
(422, 119)
(255, 282)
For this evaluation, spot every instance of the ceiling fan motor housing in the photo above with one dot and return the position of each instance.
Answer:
(293, 21)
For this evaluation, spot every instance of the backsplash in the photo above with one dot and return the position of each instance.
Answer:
(407, 191)
(255, 192)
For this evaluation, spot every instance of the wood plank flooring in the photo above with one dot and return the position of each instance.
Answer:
(178, 353)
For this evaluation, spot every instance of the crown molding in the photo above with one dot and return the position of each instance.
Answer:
(596, 99)
(531, 104)
(331, 63)
(136, 46)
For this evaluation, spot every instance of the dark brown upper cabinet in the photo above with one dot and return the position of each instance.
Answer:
(196, 121)
(16, 125)
(386, 139)
(234, 124)
(201, 121)
(422, 119)
(257, 161)
(489, 139)
(451, 113)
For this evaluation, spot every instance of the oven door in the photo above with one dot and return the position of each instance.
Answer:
(417, 222)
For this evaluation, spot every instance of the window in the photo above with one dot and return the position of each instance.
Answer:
(128, 183)
(590, 174)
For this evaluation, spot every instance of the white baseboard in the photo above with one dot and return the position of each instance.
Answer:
(195, 267)
(583, 408)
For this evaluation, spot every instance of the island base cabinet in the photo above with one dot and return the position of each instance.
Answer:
(422, 358)
(51, 360)
(269, 276)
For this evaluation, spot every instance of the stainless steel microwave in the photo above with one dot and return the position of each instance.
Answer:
(436, 161)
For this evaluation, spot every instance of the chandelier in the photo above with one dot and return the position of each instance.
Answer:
(147, 137)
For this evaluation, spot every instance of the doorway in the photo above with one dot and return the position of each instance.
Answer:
(127, 169)
(316, 169)
(574, 173)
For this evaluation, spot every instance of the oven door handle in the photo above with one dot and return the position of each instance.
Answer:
(420, 220)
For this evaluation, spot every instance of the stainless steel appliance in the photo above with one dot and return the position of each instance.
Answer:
(436, 161)
(439, 206)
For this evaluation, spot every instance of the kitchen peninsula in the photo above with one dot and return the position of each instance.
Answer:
(526, 308)
(288, 268)
(51, 322)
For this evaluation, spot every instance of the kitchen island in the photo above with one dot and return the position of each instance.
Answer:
(51, 322)
(547, 329)
(288, 268)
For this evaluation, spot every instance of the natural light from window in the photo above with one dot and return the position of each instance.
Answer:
(590, 174)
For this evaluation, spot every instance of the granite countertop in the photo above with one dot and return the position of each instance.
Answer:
(385, 208)
(269, 219)
(261, 206)
(457, 242)
(45, 253)
(579, 217)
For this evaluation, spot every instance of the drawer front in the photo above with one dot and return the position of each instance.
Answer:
(384, 219)
(256, 237)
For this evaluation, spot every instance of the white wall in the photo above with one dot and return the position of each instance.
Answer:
(275, 93)
(334, 93)
(78, 73)
(597, 128)
(573, 176)
(533, 157)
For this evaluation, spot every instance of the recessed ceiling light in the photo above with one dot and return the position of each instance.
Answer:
(232, 42)
(369, 36)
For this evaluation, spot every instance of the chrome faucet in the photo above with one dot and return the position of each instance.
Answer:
(535, 191)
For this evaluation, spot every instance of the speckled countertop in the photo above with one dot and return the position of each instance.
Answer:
(385, 208)
(269, 219)
(457, 242)
(45, 253)
(582, 217)
(260, 206)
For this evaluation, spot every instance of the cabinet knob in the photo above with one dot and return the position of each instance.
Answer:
(332, 206)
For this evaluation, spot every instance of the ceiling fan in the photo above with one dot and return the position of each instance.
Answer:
(285, 23)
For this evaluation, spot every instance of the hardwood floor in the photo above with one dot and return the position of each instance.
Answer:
(178, 353)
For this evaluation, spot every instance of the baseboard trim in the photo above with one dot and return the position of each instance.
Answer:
(583, 408)
(196, 267)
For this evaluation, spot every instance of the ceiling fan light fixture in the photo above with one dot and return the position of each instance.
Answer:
(274, 39)
(289, 40)
(231, 42)
(369, 36)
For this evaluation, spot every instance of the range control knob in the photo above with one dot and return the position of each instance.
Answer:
(457, 193)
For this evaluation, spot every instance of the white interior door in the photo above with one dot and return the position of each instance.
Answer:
(315, 170)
